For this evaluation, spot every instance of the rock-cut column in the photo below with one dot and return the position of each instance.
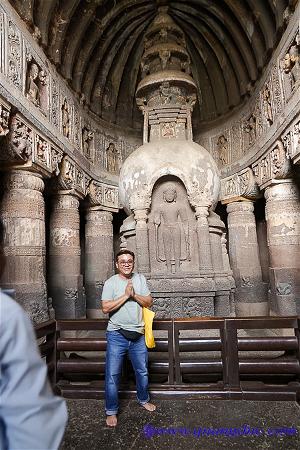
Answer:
(98, 257)
(23, 215)
(142, 243)
(205, 256)
(283, 231)
(65, 279)
(251, 292)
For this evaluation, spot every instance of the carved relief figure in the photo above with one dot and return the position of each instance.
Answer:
(266, 95)
(291, 63)
(87, 141)
(168, 130)
(172, 229)
(32, 88)
(21, 140)
(295, 59)
(250, 128)
(112, 159)
(65, 115)
(42, 150)
(222, 145)
(4, 119)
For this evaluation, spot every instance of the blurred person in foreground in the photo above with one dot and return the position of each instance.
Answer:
(31, 417)
(123, 298)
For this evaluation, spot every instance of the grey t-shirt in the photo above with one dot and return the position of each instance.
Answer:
(129, 315)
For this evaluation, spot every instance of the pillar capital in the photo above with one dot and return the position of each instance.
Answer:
(141, 215)
(282, 190)
(240, 206)
(201, 211)
(23, 179)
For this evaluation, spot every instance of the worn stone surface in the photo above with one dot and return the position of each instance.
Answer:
(65, 279)
(244, 258)
(138, 428)
(98, 257)
(170, 183)
(23, 215)
(283, 228)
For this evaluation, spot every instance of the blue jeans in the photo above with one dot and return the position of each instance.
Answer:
(117, 347)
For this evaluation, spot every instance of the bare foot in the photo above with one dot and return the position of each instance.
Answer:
(111, 421)
(149, 406)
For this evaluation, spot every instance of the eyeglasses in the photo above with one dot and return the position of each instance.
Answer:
(126, 263)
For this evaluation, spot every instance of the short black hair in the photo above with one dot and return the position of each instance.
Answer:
(124, 252)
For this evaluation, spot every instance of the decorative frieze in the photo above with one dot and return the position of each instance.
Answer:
(26, 145)
(21, 140)
(104, 195)
(241, 184)
(110, 196)
(273, 165)
(72, 177)
(4, 118)
(54, 114)
(291, 140)
(14, 55)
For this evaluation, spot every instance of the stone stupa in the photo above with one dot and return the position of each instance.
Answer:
(170, 185)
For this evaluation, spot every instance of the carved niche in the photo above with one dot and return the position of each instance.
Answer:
(172, 229)
(88, 143)
(290, 66)
(65, 118)
(113, 159)
(267, 103)
(36, 82)
(223, 150)
(250, 128)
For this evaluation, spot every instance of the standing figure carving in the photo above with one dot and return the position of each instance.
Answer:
(222, 145)
(32, 88)
(65, 114)
(172, 230)
(112, 159)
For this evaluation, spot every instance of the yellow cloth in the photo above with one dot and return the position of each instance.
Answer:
(148, 317)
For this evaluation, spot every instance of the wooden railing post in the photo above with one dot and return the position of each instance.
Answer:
(231, 368)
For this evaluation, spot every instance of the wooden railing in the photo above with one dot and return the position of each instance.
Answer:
(190, 365)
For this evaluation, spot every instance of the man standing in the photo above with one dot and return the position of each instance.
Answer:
(123, 298)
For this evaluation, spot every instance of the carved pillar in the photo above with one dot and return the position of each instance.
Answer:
(283, 228)
(23, 214)
(228, 270)
(98, 257)
(65, 280)
(142, 243)
(205, 258)
(250, 295)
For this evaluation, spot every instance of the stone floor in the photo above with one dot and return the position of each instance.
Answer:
(179, 424)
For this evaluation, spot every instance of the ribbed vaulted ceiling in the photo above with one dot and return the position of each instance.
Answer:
(97, 46)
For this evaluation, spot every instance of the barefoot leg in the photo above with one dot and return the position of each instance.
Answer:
(149, 406)
(111, 421)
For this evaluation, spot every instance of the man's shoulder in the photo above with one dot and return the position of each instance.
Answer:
(10, 308)
(138, 276)
(112, 278)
